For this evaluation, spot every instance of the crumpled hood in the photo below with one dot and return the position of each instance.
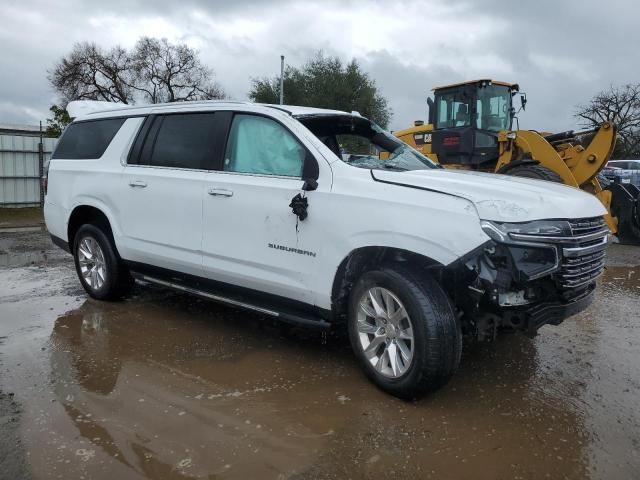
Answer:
(502, 198)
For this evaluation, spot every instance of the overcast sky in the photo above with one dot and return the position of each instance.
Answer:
(561, 52)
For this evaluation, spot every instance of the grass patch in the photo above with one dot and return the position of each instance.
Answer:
(21, 217)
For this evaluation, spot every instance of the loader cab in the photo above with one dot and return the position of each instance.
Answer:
(466, 119)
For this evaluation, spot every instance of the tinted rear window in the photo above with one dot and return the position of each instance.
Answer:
(184, 141)
(87, 140)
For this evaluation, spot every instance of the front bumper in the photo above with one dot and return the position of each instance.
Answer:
(555, 312)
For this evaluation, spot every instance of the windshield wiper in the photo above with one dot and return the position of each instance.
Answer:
(394, 167)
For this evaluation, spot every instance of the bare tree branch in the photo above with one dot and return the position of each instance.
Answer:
(174, 72)
(154, 71)
(89, 72)
(619, 105)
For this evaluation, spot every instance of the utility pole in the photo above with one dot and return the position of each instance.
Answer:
(281, 79)
(41, 167)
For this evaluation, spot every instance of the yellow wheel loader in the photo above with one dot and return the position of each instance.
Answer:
(471, 127)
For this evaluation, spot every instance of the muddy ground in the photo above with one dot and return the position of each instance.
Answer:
(167, 386)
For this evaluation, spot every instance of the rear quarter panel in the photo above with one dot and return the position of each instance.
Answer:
(95, 183)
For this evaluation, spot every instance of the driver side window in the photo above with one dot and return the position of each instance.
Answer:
(260, 145)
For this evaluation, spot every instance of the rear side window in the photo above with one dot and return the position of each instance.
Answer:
(183, 141)
(87, 140)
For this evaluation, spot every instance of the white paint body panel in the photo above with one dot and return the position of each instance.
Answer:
(503, 198)
(174, 223)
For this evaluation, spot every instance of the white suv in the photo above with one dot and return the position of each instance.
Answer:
(321, 218)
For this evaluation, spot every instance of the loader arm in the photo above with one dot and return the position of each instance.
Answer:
(586, 162)
(575, 164)
(533, 145)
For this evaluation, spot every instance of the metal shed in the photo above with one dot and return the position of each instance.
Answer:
(23, 153)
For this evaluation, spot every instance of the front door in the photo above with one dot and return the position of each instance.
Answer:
(251, 237)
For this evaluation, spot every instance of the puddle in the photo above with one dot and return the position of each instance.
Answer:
(163, 385)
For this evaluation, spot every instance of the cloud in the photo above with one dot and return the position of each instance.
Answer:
(561, 53)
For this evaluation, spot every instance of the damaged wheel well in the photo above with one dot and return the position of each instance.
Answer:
(368, 258)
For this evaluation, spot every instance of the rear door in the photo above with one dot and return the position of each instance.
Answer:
(162, 190)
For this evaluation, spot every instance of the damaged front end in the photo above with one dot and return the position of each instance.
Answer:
(528, 275)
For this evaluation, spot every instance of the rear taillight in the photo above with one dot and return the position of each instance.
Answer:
(45, 184)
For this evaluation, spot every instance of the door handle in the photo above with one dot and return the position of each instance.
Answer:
(138, 183)
(220, 192)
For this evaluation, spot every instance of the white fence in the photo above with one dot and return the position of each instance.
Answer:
(22, 158)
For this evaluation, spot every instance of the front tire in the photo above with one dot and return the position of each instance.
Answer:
(403, 331)
(98, 266)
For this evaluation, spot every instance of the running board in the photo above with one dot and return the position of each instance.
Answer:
(287, 317)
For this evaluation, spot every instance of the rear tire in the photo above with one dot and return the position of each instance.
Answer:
(535, 171)
(99, 268)
(425, 362)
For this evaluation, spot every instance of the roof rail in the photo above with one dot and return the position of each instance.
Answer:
(80, 108)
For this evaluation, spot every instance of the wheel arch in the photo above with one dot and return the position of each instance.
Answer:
(366, 258)
(83, 214)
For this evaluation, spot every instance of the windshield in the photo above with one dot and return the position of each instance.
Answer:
(494, 108)
(453, 109)
(361, 143)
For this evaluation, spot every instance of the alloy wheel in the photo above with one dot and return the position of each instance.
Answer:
(385, 332)
(92, 264)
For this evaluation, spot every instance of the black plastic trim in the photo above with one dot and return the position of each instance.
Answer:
(149, 141)
(58, 242)
(555, 313)
(291, 311)
(220, 136)
(133, 158)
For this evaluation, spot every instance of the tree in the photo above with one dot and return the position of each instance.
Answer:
(153, 71)
(57, 124)
(91, 73)
(621, 106)
(170, 73)
(326, 82)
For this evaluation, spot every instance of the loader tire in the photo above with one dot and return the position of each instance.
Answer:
(535, 171)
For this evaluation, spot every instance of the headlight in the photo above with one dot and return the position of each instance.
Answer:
(534, 262)
(530, 244)
(504, 232)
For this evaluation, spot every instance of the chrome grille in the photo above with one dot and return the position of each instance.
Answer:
(587, 225)
(583, 254)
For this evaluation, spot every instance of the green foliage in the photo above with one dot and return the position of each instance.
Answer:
(325, 82)
(57, 124)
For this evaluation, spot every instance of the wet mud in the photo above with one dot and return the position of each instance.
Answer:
(163, 385)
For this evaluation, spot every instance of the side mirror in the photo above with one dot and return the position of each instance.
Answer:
(309, 185)
(523, 100)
